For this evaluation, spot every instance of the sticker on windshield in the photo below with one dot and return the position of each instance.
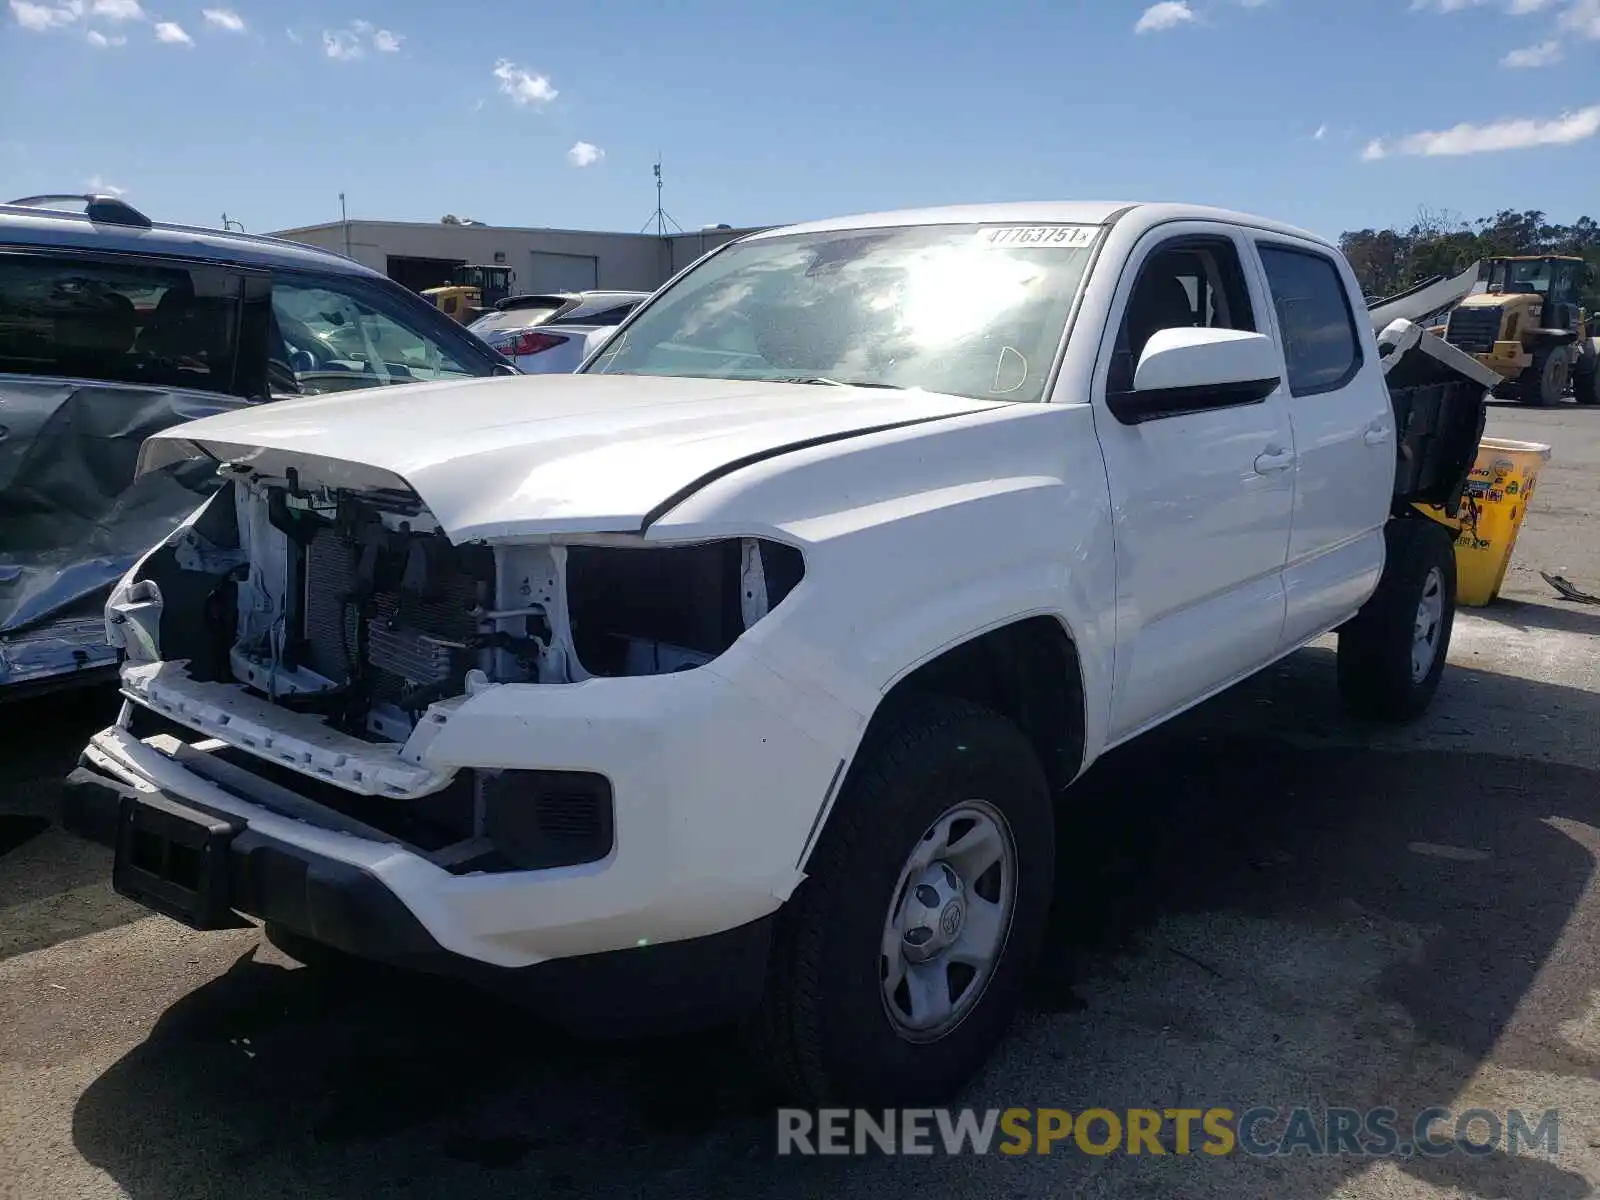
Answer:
(1060, 237)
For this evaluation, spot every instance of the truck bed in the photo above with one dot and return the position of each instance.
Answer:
(1439, 396)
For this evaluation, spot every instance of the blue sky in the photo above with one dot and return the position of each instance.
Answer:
(1333, 114)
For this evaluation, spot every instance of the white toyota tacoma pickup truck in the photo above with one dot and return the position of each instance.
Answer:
(740, 675)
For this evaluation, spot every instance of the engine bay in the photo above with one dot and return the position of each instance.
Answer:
(355, 607)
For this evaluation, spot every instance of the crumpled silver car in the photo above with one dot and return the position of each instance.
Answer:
(114, 327)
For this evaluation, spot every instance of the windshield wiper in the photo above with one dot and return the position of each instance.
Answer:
(861, 383)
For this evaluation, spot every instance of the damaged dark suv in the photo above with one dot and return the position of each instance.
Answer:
(112, 328)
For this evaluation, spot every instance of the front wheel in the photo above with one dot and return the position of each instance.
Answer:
(901, 959)
(1546, 380)
(1392, 653)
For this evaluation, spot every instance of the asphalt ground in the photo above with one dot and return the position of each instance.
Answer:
(1263, 903)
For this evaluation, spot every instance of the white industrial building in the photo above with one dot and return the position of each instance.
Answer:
(421, 254)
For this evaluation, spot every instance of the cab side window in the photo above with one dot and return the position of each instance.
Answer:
(1320, 345)
(1187, 283)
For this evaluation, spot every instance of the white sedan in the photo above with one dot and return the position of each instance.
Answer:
(545, 333)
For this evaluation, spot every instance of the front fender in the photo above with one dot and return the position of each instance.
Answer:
(920, 539)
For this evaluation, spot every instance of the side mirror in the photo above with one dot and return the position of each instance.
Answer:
(1191, 370)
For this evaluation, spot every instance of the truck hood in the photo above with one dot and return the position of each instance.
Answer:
(516, 457)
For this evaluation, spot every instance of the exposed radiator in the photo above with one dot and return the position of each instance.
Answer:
(411, 640)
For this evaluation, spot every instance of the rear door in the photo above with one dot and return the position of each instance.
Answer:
(1201, 498)
(1344, 436)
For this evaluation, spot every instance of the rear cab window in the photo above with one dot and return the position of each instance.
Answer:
(128, 319)
(1321, 346)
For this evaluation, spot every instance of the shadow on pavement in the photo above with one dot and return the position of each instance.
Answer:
(1557, 615)
(1238, 922)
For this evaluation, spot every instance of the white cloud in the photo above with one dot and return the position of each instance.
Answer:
(293, 36)
(101, 41)
(1583, 17)
(39, 17)
(585, 154)
(1515, 133)
(1541, 55)
(1322, 132)
(341, 45)
(118, 10)
(1445, 6)
(1168, 14)
(523, 87)
(99, 187)
(1521, 8)
(351, 42)
(172, 34)
(223, 18)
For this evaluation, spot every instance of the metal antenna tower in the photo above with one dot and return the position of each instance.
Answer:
(661, 216)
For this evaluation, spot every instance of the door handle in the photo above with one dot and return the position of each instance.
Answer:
(1274, 460)
(1376, 435)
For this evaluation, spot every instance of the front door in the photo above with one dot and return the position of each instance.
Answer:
(1201, 500)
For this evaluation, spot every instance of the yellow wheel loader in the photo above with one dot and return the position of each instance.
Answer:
(472, 291)
(1528, 325)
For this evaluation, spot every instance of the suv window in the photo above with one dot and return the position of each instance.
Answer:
(1190, 282)
(120, 320)
(333, 335)
(1320, 346)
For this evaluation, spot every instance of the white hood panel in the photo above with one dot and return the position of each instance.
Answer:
(510, 457)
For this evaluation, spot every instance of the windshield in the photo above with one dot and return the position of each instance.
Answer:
(1525, 277)
(965, 309)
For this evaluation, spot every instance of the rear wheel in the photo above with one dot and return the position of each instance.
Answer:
(1546, 380)
(901, 959)
(1392, 653)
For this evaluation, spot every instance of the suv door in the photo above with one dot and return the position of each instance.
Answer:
(97, 352)
(1344, 431)
(1202, 498)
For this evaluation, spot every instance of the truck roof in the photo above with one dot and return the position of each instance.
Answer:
(1068, 212)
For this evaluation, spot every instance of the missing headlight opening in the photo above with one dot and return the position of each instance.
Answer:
(355, 606)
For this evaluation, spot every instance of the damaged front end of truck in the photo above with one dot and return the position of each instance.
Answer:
(321, 634)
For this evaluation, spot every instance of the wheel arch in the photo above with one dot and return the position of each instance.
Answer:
(1027, 670)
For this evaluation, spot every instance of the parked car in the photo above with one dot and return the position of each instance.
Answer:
(547, 333)
(739, 674)
(113, 327)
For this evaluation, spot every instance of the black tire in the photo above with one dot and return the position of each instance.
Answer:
(1546, 380)
(1377, 678)
(1586, 387)
(823, 1030)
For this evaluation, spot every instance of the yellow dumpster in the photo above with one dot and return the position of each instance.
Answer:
(1498, 493)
